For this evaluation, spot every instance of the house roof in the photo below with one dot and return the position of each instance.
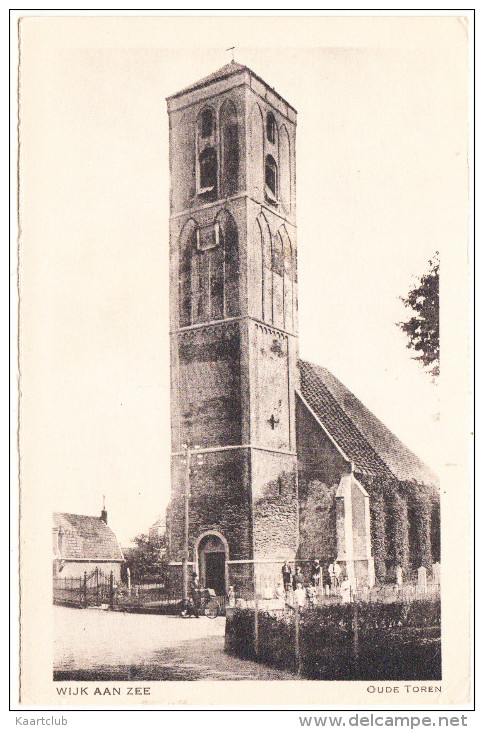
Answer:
(362, 437)
(86, 538)
(222, 73)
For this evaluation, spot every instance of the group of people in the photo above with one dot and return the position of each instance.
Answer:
(295, 587)
(323, 578)
(321, 575)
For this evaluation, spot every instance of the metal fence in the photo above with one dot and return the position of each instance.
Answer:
(91, 589)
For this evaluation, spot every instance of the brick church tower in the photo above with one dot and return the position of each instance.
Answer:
(273, 458)
(233, 516)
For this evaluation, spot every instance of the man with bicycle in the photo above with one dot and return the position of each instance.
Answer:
(194, 603)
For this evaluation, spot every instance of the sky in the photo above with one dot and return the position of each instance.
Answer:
(381, 185)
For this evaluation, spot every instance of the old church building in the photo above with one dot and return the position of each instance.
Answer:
(273, 459)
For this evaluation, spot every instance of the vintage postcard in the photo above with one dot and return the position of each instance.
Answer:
(244, 411)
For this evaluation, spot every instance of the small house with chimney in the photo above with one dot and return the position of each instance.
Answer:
(82, 543)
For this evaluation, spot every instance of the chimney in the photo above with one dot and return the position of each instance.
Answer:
(104, 514)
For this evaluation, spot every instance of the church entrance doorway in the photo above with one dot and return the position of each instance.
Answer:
(212, 561)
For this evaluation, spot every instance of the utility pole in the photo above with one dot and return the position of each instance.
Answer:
(188, 454)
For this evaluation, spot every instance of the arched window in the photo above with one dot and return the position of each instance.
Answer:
(256, 154)
(271, 180)
(230, 149)
(209, 271)
(271, 128)
(188, 273)
(277, 281)
(284, 169)
(206, 123)
(288, 263)
(230, 240)
(208, 170)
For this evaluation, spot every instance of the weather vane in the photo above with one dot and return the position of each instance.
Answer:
(232, 48)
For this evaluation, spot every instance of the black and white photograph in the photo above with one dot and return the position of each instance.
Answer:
(244, 359)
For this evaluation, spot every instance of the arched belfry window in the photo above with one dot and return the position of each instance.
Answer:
(230, 240)
(208, 170)
(271, 128)
(206, 154)
(271, 181)
(266, 242)
(289, 278)
(209, 271)
(188, 269)
(206, 123)
(230, 149)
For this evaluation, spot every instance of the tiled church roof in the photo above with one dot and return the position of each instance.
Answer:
(364, 439)
(86, 538)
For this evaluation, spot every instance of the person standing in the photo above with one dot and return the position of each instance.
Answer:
(345, 590)
(300, 595)
(195, 595)
(286, 575)
(316, 574)
(298, 579)
(332, 575)
(337, 574)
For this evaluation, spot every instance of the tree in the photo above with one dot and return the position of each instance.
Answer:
(147, 559)
(422, 329)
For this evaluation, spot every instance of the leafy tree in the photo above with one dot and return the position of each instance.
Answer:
(147, 559)
(422, 329)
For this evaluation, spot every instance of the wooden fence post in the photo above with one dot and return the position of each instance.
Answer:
(85, 589)
(297, 648)
(356, 647)
(256, 625)
(111, 590)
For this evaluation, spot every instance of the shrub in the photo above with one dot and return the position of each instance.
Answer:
(397, 641)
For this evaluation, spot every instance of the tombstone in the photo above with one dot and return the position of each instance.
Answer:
(436, 573)
(399, 575)
(422, 577)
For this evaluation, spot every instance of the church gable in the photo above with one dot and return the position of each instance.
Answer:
(366, 441)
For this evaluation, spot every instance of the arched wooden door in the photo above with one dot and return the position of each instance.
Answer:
(212, 564)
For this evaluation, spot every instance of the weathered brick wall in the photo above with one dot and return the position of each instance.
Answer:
(270, 422)
(219, 500)
(209, 386)
(274, 505)
(321, 467)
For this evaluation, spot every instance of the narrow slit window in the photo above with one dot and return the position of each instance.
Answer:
(271, 179)
(271, 128)
(208, 169)
(206, 124)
